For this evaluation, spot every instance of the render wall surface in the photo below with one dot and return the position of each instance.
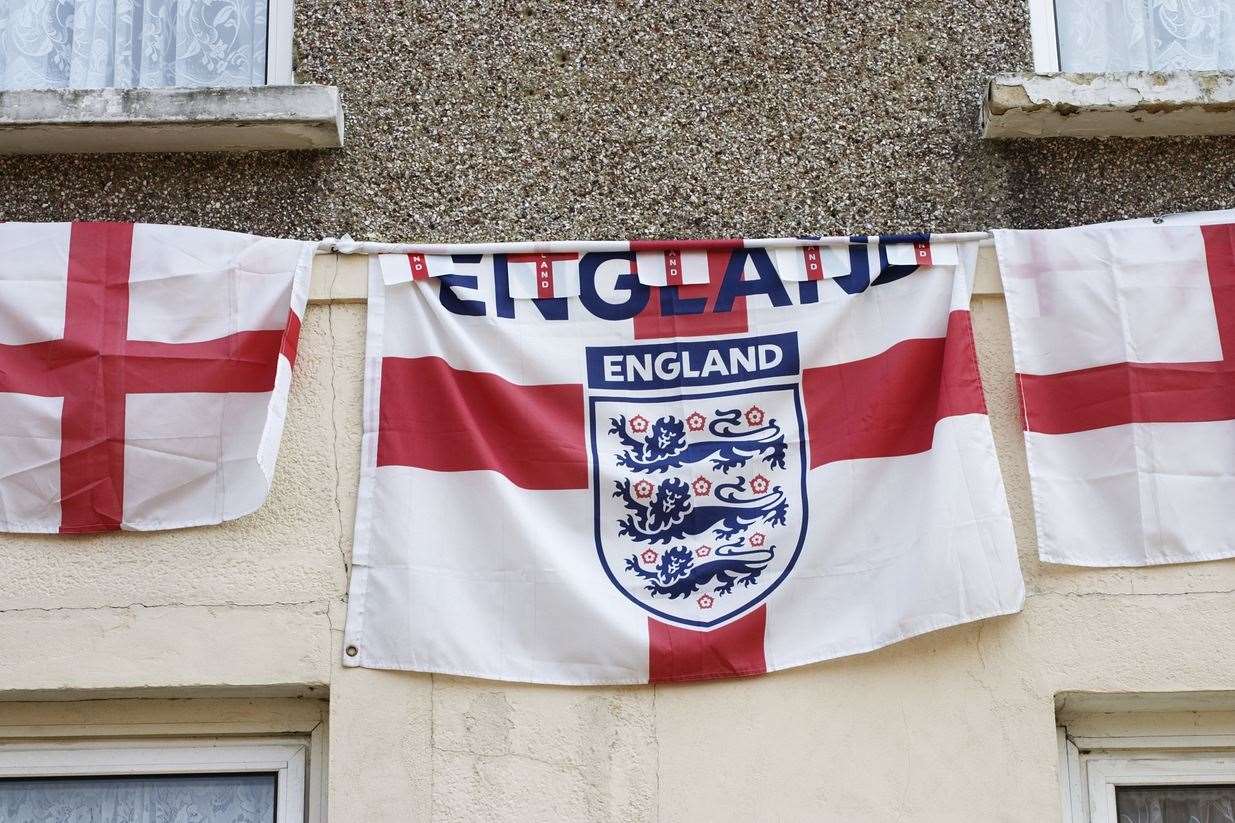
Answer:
(516, 120)
(954, 725)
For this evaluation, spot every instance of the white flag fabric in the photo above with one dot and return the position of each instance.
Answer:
(1124, 342)
(646, 482)
(144, 373)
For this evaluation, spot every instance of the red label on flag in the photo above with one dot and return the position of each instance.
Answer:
(673, 268)
(813, 262)
(420, 266)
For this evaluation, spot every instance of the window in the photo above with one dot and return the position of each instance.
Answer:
(1148, 780)
(87, 76)
(91, 44)
(208, 780)
(1133, 35)
(1147, 804)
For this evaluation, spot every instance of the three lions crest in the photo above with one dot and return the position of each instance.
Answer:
(700, 498)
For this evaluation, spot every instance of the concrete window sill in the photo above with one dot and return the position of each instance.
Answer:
(77, 121)
(1132, 104)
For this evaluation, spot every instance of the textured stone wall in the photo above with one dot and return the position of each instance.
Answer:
(471, 120)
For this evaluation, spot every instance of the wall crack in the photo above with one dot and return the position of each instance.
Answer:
(334, 425)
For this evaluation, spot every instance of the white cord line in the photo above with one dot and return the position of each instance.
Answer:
(346, 245)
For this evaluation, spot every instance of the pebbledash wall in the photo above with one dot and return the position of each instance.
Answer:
(518, 120)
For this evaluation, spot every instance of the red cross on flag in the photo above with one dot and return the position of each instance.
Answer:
(144, 373)
(1124, 341)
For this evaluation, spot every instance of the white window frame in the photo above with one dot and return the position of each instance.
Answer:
(1092, 768)
(288, 758)
(1042, 31)
(279, 17)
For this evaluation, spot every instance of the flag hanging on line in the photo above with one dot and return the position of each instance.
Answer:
(591, 467)
(1124, 342)
(144, 373)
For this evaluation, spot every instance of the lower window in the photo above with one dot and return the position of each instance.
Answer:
(1147, 780)
(214, 780)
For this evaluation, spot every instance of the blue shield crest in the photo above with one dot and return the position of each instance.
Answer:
(698, 472)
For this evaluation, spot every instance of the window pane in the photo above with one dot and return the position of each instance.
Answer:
(1157, 35)
(86, 44)
(247, 798)
(1175, 804)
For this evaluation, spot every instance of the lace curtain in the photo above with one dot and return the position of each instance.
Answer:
(85, 44)
(1175, 804)
(1145, 35)
(190, 799)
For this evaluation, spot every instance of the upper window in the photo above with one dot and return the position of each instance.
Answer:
(1133, 35)
(92, 44)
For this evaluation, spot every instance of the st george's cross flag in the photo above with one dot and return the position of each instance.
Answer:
(1124, 343)
(638, 473)
(144, 373)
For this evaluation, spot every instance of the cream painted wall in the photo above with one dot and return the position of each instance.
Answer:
(953, 726)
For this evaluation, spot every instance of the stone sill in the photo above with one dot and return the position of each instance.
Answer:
(1132, 104)
(79, 121)
(344, 278)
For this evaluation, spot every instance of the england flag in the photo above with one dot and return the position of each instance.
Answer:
(671, 481)
(144, 373)
(1124, 340)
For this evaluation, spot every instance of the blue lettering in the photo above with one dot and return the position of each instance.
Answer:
(859, 277)
(597, 305)
(889, 273)
(550, 308)
(767, 282)
(672, 304)
(692, 363)
(452, 302)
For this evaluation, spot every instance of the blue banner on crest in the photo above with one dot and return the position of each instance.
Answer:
(684, 364)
